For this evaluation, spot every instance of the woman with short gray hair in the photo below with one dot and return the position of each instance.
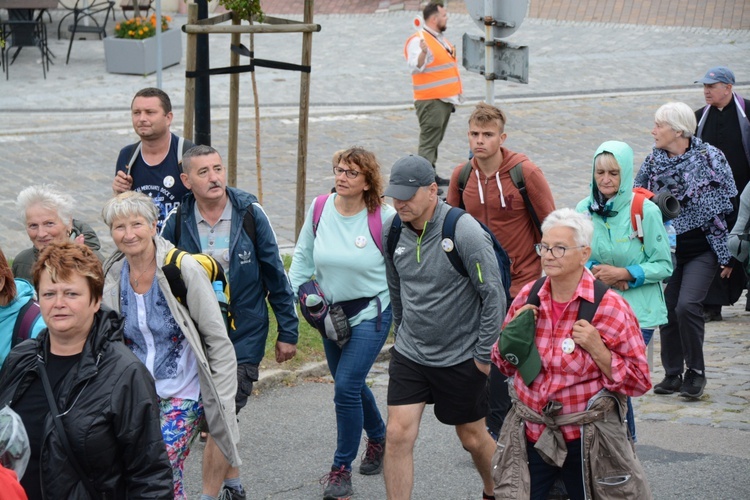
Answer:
(698, 175)
(48, 217)
(185, 346)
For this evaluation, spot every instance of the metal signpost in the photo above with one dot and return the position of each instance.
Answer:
(489, 56)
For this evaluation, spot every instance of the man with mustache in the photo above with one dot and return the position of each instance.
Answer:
(231, 226)
(153, 164)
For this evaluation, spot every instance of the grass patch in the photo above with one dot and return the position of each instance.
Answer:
(309, 345)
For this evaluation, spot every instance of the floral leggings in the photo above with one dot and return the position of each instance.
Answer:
(181, 420)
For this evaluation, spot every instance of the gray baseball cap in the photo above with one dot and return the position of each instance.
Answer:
(407, 175)
(718, 75)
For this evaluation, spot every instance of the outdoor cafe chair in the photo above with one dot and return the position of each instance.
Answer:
(143, 6)
(84, 14)
(20, 33)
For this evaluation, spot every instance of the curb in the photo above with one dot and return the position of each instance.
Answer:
(271, 379)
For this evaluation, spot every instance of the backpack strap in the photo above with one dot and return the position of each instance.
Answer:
(393, 235)
(375, 224)
(463, 178)
(374, 220)
(533, 297)
(248, 225)
(320, 202)
(449, 232)
(586, 309)
(636, 209)
(133, 157)
(25, 320)
(516, 175)
(172, 271)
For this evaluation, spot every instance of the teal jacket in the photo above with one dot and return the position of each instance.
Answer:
(615, 242)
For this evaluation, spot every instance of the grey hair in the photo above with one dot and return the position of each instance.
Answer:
(201, 150)
(583, 228)
(51, 199)
(129, 204)
(678, 116)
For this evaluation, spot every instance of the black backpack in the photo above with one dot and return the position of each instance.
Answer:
(586, 309)
(516, 175)
(449, 232)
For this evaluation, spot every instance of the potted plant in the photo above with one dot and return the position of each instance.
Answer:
(132, 50)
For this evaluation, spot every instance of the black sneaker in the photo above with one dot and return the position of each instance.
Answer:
(669, 385)
(441, 181)
(372, 460)
(228, 493)
(693, 385)
(339, 484)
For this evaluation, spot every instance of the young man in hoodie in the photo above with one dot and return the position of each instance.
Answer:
(492, 198)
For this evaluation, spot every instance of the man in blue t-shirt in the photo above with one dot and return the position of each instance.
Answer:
(153, 165)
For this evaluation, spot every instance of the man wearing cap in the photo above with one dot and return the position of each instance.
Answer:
(435, 80)
(445, 324)
(724, 123)
(560, 363)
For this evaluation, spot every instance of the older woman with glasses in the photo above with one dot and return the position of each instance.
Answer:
(574, 349)
(698, 175)
(340, 251)
(48, 217)
(88, 405)
(184, 346)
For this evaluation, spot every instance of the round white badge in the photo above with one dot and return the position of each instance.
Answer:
(568, 346)
(168, 181)
(447, 244)
(360, 241)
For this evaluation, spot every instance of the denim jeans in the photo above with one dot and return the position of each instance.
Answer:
(543, 475)
(647, 334)
(356, 408)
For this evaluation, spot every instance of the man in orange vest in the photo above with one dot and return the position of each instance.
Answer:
(435, 80)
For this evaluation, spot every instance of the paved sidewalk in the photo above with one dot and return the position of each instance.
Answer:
(589, 82)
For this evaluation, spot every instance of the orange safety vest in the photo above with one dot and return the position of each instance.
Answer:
(440, 78)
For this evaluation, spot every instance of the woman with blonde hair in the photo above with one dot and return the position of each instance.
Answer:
(184, 346)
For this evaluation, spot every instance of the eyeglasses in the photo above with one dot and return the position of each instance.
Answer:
(558, 251)
(352, 174)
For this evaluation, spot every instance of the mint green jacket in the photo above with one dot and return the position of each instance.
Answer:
(615, 242)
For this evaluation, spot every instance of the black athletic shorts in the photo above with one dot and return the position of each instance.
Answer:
(458, 392)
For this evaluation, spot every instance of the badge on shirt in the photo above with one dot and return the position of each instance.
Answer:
(168, 181)
(360, 241)
(568, 346)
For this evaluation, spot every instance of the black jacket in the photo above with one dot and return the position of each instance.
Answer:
(111, 418)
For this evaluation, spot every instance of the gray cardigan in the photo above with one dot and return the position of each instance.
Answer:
(442, 318)
(217, 363)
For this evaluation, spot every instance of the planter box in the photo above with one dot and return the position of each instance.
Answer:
(138, 57)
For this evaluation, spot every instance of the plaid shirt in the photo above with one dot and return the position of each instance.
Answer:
(572, 379)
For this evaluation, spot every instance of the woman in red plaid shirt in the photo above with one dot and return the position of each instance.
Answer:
(557, 375)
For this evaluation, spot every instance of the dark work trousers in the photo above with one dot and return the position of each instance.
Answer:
(682, 336)
(498, 399)
(433, 116)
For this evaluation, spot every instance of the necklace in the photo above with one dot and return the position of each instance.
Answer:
(148, 267)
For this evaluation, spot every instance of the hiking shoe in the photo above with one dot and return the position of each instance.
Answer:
(669, 385)
(339, 484)
(693, 385)
(228, 493)
(372, 460)
(441, 181)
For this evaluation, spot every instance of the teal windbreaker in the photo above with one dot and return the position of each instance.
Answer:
(615, 242)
